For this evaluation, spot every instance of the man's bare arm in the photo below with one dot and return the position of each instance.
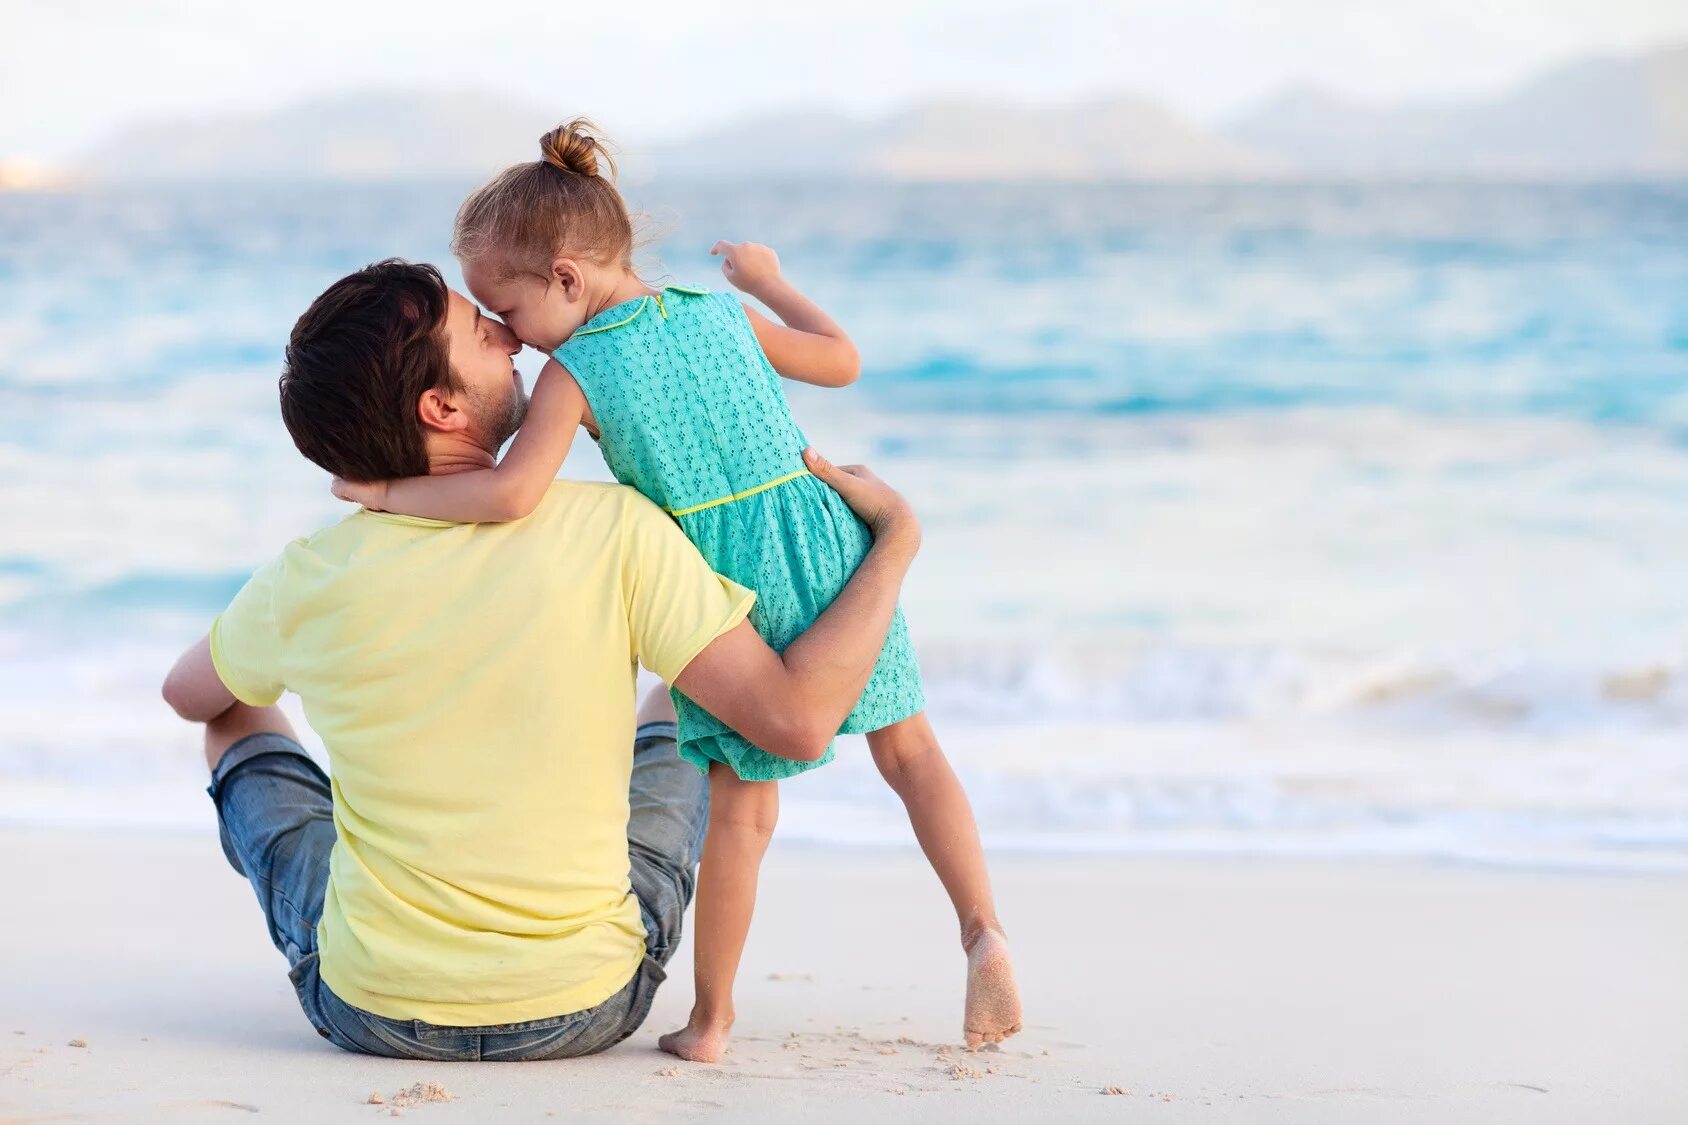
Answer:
(790, 704)
(193, 689)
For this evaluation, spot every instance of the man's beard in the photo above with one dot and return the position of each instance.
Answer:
(497, 421)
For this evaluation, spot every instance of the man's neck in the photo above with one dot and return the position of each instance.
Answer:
(454, 453)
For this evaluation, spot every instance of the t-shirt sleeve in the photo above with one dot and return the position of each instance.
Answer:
(676, 605)
(245, 643)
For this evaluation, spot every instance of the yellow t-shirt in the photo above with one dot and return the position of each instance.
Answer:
(474, 686)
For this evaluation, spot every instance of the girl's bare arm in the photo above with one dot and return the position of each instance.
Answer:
(809, 346)
(497, 495)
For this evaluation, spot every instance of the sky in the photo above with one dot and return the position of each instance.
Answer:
(75, 71)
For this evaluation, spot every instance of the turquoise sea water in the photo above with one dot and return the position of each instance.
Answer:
(1291, 518)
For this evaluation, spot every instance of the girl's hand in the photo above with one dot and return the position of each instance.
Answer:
(747, 265)
(371, 494)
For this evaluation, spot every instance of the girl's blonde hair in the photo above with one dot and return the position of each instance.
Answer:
(562, 203)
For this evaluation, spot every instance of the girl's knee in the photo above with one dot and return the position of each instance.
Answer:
(750, 808)
(899, 748)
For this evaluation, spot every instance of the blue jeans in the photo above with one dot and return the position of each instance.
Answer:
(276, 814)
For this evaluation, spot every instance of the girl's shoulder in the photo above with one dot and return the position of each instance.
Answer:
(713, 302)
(670, 306)
(677, 320)
(708, 313)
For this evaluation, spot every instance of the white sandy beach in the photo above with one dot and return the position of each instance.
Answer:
(1209, 991)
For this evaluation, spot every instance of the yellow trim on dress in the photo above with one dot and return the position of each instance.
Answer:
(644, 302)
(631, 317)
(737, 495)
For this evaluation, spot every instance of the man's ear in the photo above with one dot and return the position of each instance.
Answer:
(567, 274)
(436, 411)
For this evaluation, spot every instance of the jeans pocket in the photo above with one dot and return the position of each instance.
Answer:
(402, 1039)
(644, 985)
(425, 1030)
(365, 1033)
(604, 1026)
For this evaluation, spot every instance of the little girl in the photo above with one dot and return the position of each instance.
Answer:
(678, 386)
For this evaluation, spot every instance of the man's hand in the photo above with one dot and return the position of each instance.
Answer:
(748, 266)
(791, 703)
(876, 503)
(372, 495)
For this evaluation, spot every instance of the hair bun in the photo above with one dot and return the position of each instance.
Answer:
(575, 147)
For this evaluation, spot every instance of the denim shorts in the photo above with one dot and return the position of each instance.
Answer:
(276, 818)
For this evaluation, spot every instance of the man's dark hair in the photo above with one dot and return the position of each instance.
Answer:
(358, 361)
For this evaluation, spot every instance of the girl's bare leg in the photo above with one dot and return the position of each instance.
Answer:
(742, 815)
(910, 759)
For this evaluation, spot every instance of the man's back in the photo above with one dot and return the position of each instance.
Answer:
(473, 684)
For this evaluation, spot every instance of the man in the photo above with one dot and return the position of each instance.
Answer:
(499, 865)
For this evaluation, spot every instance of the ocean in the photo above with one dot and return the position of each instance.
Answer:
(1326, 521)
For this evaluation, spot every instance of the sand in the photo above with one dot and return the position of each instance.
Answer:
(1203, 991)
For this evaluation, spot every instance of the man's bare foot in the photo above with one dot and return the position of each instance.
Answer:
(993, 999)
(697, 1042)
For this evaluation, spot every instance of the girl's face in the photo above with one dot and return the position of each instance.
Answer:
(542, 312)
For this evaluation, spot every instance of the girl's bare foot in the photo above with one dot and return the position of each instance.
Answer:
(698, 1041)
(993, 999)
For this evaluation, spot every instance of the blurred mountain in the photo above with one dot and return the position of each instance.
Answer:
(1598, 118)
(1121, 138)
(396, 135)
(1595, 118)
(380, 135)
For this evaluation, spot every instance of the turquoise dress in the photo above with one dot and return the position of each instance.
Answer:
(691, 414)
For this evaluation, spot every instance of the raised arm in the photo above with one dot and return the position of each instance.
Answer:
(507, 492)
(809, 346)
(792, 703)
